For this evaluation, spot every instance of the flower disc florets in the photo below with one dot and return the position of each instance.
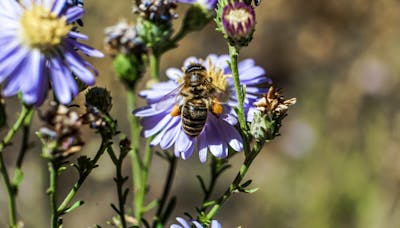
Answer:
(42, 29)
(237, 21)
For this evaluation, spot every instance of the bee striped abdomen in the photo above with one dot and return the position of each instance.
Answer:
(194, 116)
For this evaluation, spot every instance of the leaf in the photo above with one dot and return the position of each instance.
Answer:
(245, 184)
(73, 207)
(18, 177)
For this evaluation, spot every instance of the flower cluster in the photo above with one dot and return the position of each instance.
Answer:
(219, 131)
(40, 47)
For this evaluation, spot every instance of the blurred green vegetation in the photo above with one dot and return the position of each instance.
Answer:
(337, 163)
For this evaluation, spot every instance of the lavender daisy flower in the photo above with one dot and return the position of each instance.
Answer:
(208, 4)
(38, 47)
(188, 224)
(219, 131)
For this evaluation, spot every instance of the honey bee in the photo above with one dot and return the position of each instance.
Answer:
(197, 97)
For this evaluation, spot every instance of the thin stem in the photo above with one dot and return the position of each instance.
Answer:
(104, 145)
(234, 53)
(119, 180)
(236, 182)
(167, 188)
(11, 191)
(135, 158)
(53, 193)
(154, 65)
(141, 190)
(11, 188)
(25, 139)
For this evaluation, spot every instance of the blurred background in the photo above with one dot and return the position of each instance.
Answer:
(337, 163)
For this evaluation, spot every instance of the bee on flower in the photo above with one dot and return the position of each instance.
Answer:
(201, 117)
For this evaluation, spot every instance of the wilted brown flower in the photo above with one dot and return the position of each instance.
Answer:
(61, 134)
(274, 103)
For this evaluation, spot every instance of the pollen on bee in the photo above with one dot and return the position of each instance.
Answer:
(176, 111)
(216, 107)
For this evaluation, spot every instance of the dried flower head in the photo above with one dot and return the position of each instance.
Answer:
(156, 10)
(61, 134)
(274, 103)
(123, 38)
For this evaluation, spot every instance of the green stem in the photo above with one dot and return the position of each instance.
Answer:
(104, 145)
(141, 189)
(53, 193)
(234, 53)
(135, 158)
(11, 188)
(160, 220)
(236, 182)
(25, 139)
(154, 65)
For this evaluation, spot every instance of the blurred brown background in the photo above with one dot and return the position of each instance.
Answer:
(337, 163)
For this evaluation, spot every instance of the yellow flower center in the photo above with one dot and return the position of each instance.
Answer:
(43, 29)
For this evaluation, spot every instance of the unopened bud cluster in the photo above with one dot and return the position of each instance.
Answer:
(156, 10)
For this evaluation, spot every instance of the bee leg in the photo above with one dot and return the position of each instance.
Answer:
(176, 111)
(216, 107)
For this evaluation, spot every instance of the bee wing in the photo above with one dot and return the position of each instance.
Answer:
(172, 97)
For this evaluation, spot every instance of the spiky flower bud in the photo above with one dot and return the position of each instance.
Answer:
(61, 134)
(100, 98)
(236, 20)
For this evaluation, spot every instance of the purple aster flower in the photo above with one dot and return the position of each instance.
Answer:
(209, 4)
(39, 47)
(218, 132)
(188, 224)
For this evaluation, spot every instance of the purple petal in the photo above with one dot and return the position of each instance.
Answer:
(171, 136)
(58, 6)
(87, 50)
(77, 35)
(78, 68)
(58, 73)
(33, 90)
(74, 13)
(174, 73)
(203, 149)
(156, 126)
(190, 60)
(182, 144)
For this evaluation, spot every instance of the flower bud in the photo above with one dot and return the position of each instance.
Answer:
(236, 20)
(100, 98)
(196, 18)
